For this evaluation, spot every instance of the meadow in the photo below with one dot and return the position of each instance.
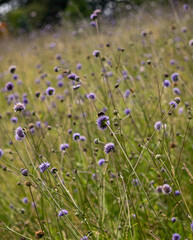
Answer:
(96, 132)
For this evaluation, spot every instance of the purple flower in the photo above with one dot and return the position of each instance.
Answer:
(127, 111)
(176, 236)
(101, 162)
(19, 134)
(180, 110)
(93, 24)
(185, 7)
(177, 193)
(18, 107)
(43, 166)
(82, 138)
(159, 189)
(158, 126)
(91, 96)
(38, 124)
(102, 122)
(166, 83)
(127, 93)
(15, 76)
(93, 16)
(173, 104)
(12, 69)
(109, 147)
(25, 100)
(96, 53)
(63, 212)
(1, 152)
(191, 225)
(167, 189)
(135, 182)
(73, 76)
(64, 146)
(176, 91)
(24, 172)
(50, 91)
(124, 73)
(191, 43)
(173, 219)
(76, 136)
(175, 77)
(84, 238)
(9, 86)
(78, 66)
(25, 200)
(14, 119)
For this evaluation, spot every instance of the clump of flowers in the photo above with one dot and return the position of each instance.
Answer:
(64, 146)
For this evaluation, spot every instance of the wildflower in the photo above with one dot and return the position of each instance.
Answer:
(76, 87)
(62, 212)
(176, 91)
(177, 193)
(173, 104)
(173, 219)
(78, 66)
(93, 16)
(175, 77)
(64, 146)
(82, 138)
(12, 69)
(9, 86)
(109, 147)
(159, 189)
(158, 126)
(101, 162)
(76, 136)
(166, 83)
(94, 176)
(135, 182)
(127, 93)
(19, 134)
(191, 225)
(127, 111)
(24, 172)
(56, 69)
(176, 236)
(191, 43)
(84, 238)
(19, 107)
(167, 189)
(1, 152)
(185, 7)
(60, 83)
(96, 53)
(50, 91)
(91, 96)
(15, 76)
(93, 24)
(39, 234)
(102, 122)
(38, 124)
(73, 76)
(43, 166)
(25, 200)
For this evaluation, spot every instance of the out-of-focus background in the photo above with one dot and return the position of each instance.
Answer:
(21, 16)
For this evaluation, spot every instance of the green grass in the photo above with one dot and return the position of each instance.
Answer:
(110, 206)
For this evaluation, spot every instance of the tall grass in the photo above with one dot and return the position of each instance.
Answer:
(120, 198)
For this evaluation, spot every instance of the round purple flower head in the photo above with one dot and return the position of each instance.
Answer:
(62, 213)
(38, 124)
(1, 152)
(15, 76)
(78, 66)
(60, 84)
(101, 162)
(158, 126)
(43, 166)
(92, 24)
(176, 91)
(167, 189)
(127, 111)
(191, 43)
(50, 91)
(96, 53)
(19, 107)
(159, 189)
(76, 136)
(173, 104)
(14, 119)
(91, 96)
(64, 146)
(19, 134)
(84, 238)
(173, 219)
(82, 138)
(175, 77)
(9, 86)
(73, 76)
(93, 16)
(177, 193)
(12, 69)
(25, 200)
(185, 7)
(109, 147)
(24, 172)
(191, 225)
(176, 236)
(166, 83)
(102, 122)
(127, 93)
